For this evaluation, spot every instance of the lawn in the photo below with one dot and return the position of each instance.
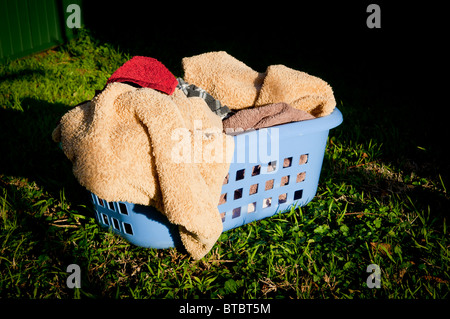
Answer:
(382, 198)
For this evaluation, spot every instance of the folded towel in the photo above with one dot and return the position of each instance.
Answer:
(238, 86)
(146, 72)
(125, 146)
(264, 116)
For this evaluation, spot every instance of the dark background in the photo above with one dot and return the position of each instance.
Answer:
(396, 71)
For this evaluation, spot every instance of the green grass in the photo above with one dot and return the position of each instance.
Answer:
(372, 207)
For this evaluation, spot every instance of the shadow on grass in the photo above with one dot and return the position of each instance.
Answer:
(29, 151)
(21, 74)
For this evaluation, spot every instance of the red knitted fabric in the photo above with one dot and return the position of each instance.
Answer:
(146, 72)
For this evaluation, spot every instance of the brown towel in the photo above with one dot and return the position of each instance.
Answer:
(123, 147)
(264, 116)
(238, 86)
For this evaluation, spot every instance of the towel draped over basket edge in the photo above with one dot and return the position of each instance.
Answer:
(121, 142)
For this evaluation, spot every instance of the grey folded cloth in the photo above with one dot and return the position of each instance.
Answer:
(264, 116)
(191, 90)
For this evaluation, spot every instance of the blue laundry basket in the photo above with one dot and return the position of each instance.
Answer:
(272, 170)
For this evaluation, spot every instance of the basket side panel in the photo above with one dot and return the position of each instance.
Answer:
(140, 225)
(271, 179)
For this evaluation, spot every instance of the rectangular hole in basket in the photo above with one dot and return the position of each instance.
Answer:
(127, 228)
(100, 202)
(123, 209)
(253, 189)
(236, 212)
(240, 174)
(222, 215)
(238, 193)
(271, 166)
(284, 180)
(256, 170)
(303, 159)
(267, 202)
(115, 223)
(111, 206)
(269, 184)
(298, 194)
(223, 198)
(301, 177)
(287, 162)
(282, 198)
(105, 219)
(251, 207)
(225, 180)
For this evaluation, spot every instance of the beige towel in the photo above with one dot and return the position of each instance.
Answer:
(238, 86)
(227, 79)
(124, 145)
